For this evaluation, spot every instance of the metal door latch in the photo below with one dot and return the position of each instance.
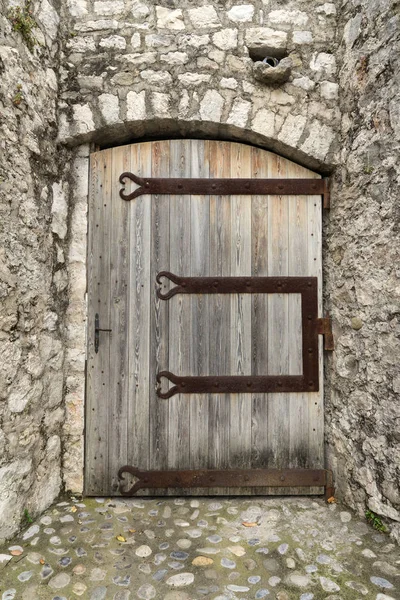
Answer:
(97, 332)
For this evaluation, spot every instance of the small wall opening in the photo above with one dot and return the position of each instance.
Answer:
(259, 53)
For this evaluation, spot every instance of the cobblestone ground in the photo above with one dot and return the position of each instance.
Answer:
(184, 549)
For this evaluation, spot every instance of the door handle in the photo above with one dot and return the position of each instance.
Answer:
(97, 330)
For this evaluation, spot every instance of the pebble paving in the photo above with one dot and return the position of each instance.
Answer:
(193, 549)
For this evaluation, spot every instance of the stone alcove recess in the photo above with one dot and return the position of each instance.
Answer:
(109, 73)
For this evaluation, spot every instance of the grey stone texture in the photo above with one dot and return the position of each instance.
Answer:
(109, 72)
(32, 271)
(362, 258)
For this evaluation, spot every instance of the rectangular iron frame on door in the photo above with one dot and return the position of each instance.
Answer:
(307, 287)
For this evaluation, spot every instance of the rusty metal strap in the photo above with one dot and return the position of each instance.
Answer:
(208, 478)
(235, 285)
(219, 187)
(235, 384)
(307, 382)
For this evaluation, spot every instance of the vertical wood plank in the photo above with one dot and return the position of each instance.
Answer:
(139, 321)
(278, 322)
(119, 349)
(179, 310)
(219, 307)
(240, 404)
(199, 313)
(97, 417)
(259, 314)
(298, 267)
(159, 332)
(316, 400)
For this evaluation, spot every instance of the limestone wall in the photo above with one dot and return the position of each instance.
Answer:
(362, 261)
(32, 274)
(122, 70)
(144, 70)
(136, 69)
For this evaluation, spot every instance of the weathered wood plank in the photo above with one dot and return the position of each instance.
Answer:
(97, 479)
(159, 330)
(316, 400)
(179, 309)
(119, 342)
(298, 259)
(219, 307)
(278, 333)
(199, 313)
(240, 404)
(259, 315)
(139, 315)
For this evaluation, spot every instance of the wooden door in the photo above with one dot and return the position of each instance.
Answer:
(130, 242)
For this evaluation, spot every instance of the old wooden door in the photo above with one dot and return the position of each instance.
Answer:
(197, 334)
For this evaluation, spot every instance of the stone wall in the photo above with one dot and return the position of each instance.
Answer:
(134, 70)
(32, 277)
(123, 70)
(362, 264)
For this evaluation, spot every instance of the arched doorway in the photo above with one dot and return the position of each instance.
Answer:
(237, 336)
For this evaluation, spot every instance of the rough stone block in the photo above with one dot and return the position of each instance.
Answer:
(302, 37)
(169, 19)
(188, 79)
(211, 106)
(162, 78)
(264, 122)
(239, 114)
(108, 7)
(204, 17)
(292, 130)
(227, 39)
(272, 75)
(59, 211)
(77, 8)
(175, 58)
(241, 13)
(319, 140)
(263, 41)
(113, 41)
(323, 64)
(329, 90)
(160, 103)
(288, 18)
(136, 106)
(82, 118)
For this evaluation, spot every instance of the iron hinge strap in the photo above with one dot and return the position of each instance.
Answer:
(228, 186)
(324, 327)
(206, 478)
